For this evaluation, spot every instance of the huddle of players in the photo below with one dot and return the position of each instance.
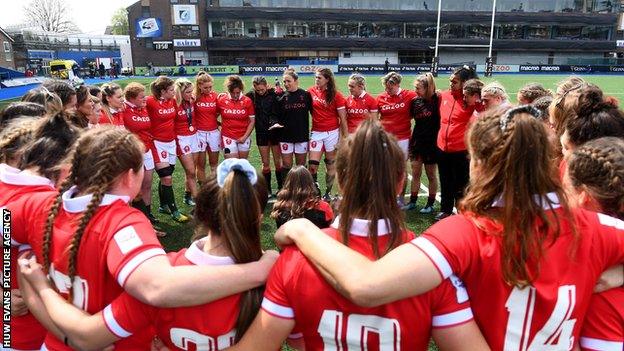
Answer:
(528, 253)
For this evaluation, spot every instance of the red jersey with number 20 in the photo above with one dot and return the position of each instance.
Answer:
(395, 112)
(603, 329)
(295, 290)
(206, 112)
(206, 327)
(325, 116)
(116, 241)
(358, 109)
(546, 315)
(235, 115)
(162, 114)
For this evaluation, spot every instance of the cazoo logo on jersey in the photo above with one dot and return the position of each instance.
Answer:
(393, 107)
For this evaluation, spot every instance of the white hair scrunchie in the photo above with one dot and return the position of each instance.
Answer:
(232, 164)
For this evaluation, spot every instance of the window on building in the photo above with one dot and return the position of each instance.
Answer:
(538, 32)
(478, 31)
(510, 31)
(218, 29)
(7, 51)
(452, 31)
(145, 11)
(342, 30)
(381, 30)
(596, 33)
(566, 32)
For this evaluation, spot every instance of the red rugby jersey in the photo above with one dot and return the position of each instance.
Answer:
(115, 118)
(206, 112)
(182, 126)
(26, 332)
(205, 327)
(603, 329)
(235, 115)
(395, 112)
(358, 108)
(295, 290)
(325, 116)
(551, 311)
(116, 241)
(162, 114)
(137, 121)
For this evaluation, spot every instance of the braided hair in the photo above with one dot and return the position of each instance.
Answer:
(14, 136)
(598, 165)
(98, 158)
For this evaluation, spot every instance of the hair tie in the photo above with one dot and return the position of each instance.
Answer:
(234, 164)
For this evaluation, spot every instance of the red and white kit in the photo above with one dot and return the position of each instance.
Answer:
(548, 313)
(395, 115)
(137, 121)
(205, 327)
(325, 120)
(162, 114)
(603, 329)
(332, 322)
(186, 131)
(235, 118)
(206, 122)
(359, 108)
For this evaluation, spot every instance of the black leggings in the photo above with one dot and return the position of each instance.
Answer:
(454, 168)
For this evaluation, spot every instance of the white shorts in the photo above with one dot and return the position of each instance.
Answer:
(210, 140)
(188, 144)
(298, 148)
(327, 141)
(165, 152)
(148, 160)
(404, 145)
(233, 147)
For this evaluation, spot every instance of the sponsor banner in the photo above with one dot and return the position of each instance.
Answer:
(500, 68)
(313, 68)
(619, 43)
(184, 15)
(571, 68)
(257, 69)
(195, 43)
(394, 67)
(148, 28)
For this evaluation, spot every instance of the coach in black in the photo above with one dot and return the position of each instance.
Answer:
(265, 106)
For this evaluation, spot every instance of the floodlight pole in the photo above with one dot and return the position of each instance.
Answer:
(489, 63)
(436, 60)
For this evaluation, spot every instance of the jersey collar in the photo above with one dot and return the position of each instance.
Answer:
(79, 204)
(196, 255)
(359, 227)
(548, 201)
(362, 95)
(14, 176)
(398, 92)
(6, 168)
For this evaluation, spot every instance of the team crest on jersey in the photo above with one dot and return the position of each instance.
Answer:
(163, 154)
(313, 144)
(228, 141)
(187, 149)
(285, 147)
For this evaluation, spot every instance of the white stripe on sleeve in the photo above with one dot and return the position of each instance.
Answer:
(601, 345)
(435, 255)
(131, 265)
(454, 318)
(278, 310)
(113, 325)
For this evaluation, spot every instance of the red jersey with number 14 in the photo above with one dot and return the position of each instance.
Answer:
(296, 290)
(359, 108)
(549, 313)
(138, 122)
(206, 327)
(206, 112)
(395, 112)
(603, 329)
(235, 115)
(162, 114)
(324, 115)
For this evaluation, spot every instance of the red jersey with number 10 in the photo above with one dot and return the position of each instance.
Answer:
(549, 313)
(395, 112)
(359, 108)
(603, 329)
(206, 112)
(325, 116)
(235, 115)
(296, 290)
(162, 114)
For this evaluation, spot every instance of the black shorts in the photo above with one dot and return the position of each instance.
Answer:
(267, 139)
(427, 154)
